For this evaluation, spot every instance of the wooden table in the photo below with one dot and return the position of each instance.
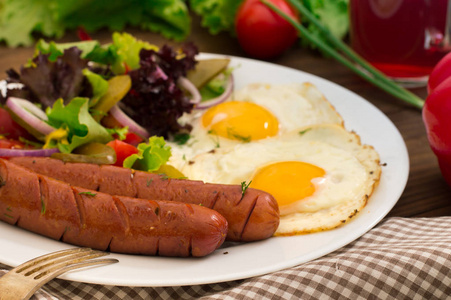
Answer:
(426, 193)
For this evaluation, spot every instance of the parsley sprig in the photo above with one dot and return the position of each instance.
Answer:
(244, 187)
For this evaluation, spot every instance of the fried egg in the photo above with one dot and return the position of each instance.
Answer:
(321, 175)
(256, 112)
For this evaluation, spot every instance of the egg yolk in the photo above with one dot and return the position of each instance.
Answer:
(288, 181)
(239, 120)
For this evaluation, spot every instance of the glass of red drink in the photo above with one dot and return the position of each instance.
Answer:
(402, 38)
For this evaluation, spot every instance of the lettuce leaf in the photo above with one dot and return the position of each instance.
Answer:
(151, 155)
(98, 84)
(169, 17)
(49, 81)
(332, 13)
(54, 50)
(122, 53)
(127, 48)
(217, 15)
(80, 126)
(19, 19)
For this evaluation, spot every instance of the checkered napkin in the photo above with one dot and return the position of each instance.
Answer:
(399, 259)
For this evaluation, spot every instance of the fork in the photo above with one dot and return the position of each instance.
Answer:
(24, 280)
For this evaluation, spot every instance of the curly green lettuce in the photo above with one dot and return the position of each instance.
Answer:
(332, 13)
(217, 15)
(20, 20)
(75, 125)
(151, 155)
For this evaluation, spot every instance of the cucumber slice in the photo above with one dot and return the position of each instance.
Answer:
(206, 70)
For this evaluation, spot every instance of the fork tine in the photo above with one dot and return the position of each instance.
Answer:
(23, 281)
(36, 261)
(64, 267)
(60, 268)
(55, 265)
(61, 261)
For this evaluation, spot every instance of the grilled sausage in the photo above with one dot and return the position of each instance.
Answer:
(252, 216)
(101, 221)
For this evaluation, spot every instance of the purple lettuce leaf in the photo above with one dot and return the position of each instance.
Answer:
(155, 101)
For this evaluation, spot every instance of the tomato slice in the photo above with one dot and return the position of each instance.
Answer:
(10, 129)
(123, 150)
(133, 139)
(11, 144)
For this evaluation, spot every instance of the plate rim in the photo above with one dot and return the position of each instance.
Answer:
(91, 276)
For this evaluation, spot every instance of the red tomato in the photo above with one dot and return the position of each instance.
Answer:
(11, 129)
(261, 32)
(123, 150)
(11, 144)
(133, 139)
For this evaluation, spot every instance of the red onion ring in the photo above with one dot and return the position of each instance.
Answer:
(192, 89)
(125, 120)
(30, 114)
(4, 152)
(221, 98)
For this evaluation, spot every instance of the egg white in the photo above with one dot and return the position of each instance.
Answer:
(310, 131)
(352, 171)
(295, 105)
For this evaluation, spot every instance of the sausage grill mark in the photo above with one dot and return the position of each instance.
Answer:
(215, 200)
(254, 203)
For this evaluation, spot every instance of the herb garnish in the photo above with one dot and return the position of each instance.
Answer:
(231, 133)
(304, 131)
(244, 187)
(149, 181)
(87, 193)
(215, 140)
(163, 176)
(42, 206)
(181, 138)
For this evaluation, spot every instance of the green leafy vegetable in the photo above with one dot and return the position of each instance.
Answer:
(80, 127)
(119, 132)
(127, 48)
(19, 19)
(98, 84)
(121, 54)
(217, 15)
(169, 17)
(57, 49)
(333, 14)
(50, 80)
(151, 155)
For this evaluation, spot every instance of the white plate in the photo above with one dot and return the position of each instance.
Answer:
(253, 259)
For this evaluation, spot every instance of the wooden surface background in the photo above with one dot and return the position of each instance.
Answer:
(426, 193)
